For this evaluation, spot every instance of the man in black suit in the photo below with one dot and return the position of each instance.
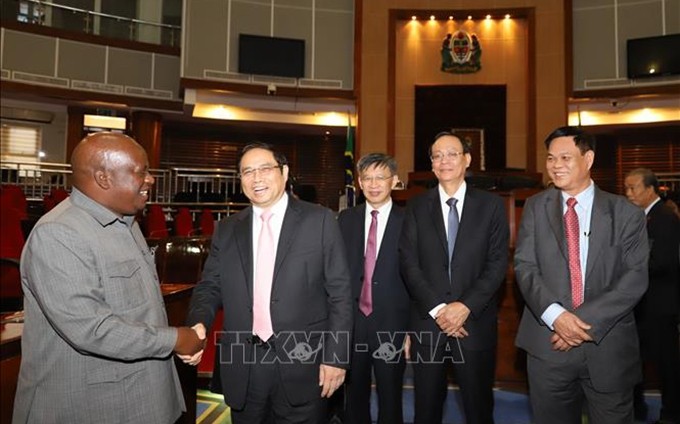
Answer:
(581, 265)
(454, 255)
(657, 312)
(381, 301)
(287, 301)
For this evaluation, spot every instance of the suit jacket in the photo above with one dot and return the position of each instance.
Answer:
(663, 295)
(390, 298)
(478, 265)
(96, 345)
(615, 279)
(310, 300)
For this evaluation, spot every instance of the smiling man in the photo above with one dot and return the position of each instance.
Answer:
(96, 346)
(381, 303)
(454, 254)
(278, 268)
(581, 265)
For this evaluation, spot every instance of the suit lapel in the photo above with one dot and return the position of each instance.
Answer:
(291, 223)
(244, 239)
(391, 236)
(466, 228)
(600, 223)
(436, 212)
(554, 212)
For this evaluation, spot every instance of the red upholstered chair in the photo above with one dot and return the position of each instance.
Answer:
(13, 196)
(56, 196)
(59, 194)
(155, 222)
(207, 222)
(11, 244)
(184, 225)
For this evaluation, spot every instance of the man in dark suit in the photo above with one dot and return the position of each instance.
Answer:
(581, 265)
(454, 253)
(657, 312)
(381, 300)
(279, 270)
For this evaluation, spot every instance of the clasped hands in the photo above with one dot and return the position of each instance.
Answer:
(190, 343)
(569, 332)
(451, 319)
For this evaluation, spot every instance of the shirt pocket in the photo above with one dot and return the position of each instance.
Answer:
(124, 285)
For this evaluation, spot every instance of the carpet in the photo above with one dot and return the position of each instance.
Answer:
(510, 407)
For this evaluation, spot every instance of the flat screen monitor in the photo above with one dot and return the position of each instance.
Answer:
(653, 56)
(260, 55)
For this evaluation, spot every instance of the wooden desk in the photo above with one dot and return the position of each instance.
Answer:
(177, 298)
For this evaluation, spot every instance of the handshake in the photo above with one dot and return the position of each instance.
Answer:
(190, 343)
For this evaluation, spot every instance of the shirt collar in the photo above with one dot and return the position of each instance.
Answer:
(459, 194)
(651, 205)
(277, 209)
(98, 211)
(383, 210)
(584, 198)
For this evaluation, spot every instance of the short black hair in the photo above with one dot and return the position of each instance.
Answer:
(648, 177)
(279, 157)
(378, 160)
(583, 139)
(467, 146)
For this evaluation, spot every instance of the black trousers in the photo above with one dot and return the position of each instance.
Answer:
(266, 400)
(473, 370)
(659, 346)
(377, 352)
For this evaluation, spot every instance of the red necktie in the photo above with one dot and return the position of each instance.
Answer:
(262, 289)
(573, 246)
(366, 298)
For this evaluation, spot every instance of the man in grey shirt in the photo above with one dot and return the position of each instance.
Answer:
(96, 346)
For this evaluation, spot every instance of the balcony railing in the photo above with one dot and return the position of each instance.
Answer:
(196, 188)
(69, 18)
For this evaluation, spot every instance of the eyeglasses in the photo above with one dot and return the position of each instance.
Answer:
(264, 170)
(375, 178)
(451, 155)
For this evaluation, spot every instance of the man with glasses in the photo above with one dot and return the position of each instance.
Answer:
(278, 268)
(381, 303)
(454, 253)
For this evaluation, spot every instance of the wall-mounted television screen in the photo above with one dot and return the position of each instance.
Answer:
(283, 57)
(653, 56)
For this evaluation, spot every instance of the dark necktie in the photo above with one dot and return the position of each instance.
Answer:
(572, 232)
(366, 298)
(453, 226)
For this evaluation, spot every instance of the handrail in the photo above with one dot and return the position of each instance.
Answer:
(104, 15)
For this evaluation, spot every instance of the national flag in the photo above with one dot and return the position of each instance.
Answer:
(349, 164)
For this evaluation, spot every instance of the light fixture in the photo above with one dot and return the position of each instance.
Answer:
(41, 154)
(469, 17)
(414, 17)
(507, 16)
(488, 17)
(432, 18)
(105, 122)
(451, 18)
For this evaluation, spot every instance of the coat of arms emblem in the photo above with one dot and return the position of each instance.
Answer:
(461, 53)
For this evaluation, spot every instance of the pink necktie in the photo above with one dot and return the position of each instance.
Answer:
(573, 247)
(366, 298)
(262, 290)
